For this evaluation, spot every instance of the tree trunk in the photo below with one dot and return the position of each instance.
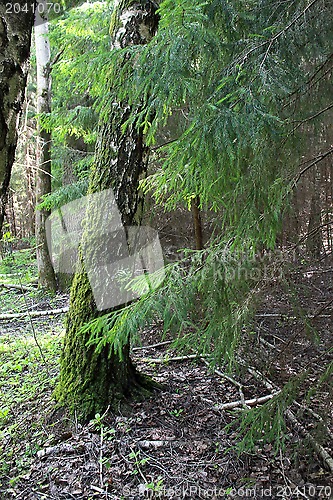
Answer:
(75, 147)
(15, 39)
(89, 382)
(27, 201)
(29, 222)
(46, 276)
(197, 222)
(314, 242)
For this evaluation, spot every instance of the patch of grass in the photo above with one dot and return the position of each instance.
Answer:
(26, 385)
(19, 266)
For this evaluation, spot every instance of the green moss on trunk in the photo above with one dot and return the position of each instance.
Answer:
(89, 382)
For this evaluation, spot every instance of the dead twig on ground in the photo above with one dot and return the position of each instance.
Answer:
(33, 314)
(230, 379)
(320, 450)
(152, 346)
(326, 458)
(247, 402)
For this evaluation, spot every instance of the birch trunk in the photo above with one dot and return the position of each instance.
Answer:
(46, 277)
(90, 382)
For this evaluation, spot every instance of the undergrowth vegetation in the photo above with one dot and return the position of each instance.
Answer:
(29, 354)
(25, 385)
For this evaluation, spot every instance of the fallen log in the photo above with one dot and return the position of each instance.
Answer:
(33, 314)
(167, 360)
(325, 457)
(20, 288)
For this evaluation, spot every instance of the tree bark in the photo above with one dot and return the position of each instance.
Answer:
(15, 39)
(314, 242)
(197, 223)
(46, 276)
(89, 381)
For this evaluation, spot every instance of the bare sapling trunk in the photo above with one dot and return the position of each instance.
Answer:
(46, 276)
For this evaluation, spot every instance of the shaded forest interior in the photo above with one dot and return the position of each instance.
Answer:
(207, 127)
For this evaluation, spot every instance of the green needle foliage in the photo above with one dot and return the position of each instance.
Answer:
(204, 300)
(237, 76)
(267, 423)
(80, 55)
(244, 81)
(228, 70)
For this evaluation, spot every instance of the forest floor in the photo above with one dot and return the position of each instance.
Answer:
(174, 444)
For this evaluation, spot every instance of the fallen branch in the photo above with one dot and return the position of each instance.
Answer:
(265, 343)
(59, 449)
(99, 490)
(146, 444)
(247, 402)
(10, 275)
(154, 444)
(33, 314)
(301, 330)
(152, 346)
(166, 359)
(326, 458)
(20, 288)
(315, 415)
(230, 379)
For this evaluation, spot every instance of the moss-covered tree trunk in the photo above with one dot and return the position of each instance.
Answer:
(90, 381)
(16, 22)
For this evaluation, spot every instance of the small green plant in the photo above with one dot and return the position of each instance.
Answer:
(24, 383)
(177, 412)
(97, 422)
(106, 463)
(138, 461)
(156, 487)
(101, 427)
(4, 413)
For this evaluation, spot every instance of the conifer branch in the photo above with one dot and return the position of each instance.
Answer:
(326, 458)
(301, 330)
(310, 83)
(312, 232)
(273, 39)
(318, 159)
(312, 117)
(152, 346)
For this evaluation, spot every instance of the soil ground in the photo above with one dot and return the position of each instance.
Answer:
(174, 444)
